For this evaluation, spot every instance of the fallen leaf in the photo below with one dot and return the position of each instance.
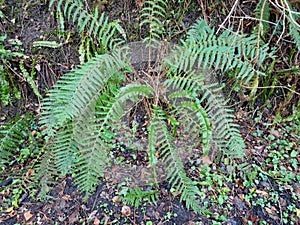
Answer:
(206, 160)
(27, 215)
(140, 3)
(271, 210)
(66, 197)
(33, 133)
(297, 190)
(73, 217)
(241, 196)
(116, 199)
(93, 215)
(29, 173)
(298, 212)
(263, 193)
(259, 148)
(275, 133)
(10, 209)
(96, 221)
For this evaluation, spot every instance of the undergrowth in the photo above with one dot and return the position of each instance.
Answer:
(83, 114)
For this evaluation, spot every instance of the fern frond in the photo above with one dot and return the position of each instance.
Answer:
(96, 26)
(295, 32)
(95, 135)
(134, 196)
(193, 117)
(262, 12)
(46, 170)
(64, 150)
(30, 79)
(152, 13)
(5, 97)
(176, 175)
(78, 90)
(225, 134)
(12, 135)
(227, 52)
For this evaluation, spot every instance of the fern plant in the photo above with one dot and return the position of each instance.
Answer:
(12, 136)
(134, 196)
(98, 35)
(83, 113)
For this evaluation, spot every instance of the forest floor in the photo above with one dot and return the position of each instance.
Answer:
(264, 189)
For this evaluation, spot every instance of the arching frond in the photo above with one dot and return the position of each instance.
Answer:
(46, 169)
(171, 159)
(211, 106)
(227, 52)
(195, 124)
(77, 91)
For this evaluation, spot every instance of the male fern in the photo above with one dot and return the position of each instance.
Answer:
(83, 113)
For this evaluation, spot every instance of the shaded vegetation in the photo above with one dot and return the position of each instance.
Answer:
(112, 121)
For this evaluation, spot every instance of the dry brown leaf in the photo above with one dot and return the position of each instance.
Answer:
(275, 133)
(206, 160)
(116, 199)
(271, 210)
(29, 173)
(241, 196)
(297, 190)
(96, 221)
(93, 215)
(140, 3)
(27, 215)
(263, 193)
(73, 218)
(66, 197)
(33, 133)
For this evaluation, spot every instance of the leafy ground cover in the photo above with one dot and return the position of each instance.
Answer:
(265, 192)
(264, 188)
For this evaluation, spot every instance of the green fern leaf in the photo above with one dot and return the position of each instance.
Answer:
(77, 91)
(12, 135)
(134, 196)
(152, 13)
(295, 32)
(46, 170)
(175, 170)
(225, 52)
(98, 29)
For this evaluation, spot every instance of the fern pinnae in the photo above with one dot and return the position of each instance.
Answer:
(215, 108)
(220, 53)
(80, 89)
(93, 138)
(151, 14)
(99, 28)
(200, 118)
(46, 170)
(11, 136)
(176, 175)
(65, 152)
